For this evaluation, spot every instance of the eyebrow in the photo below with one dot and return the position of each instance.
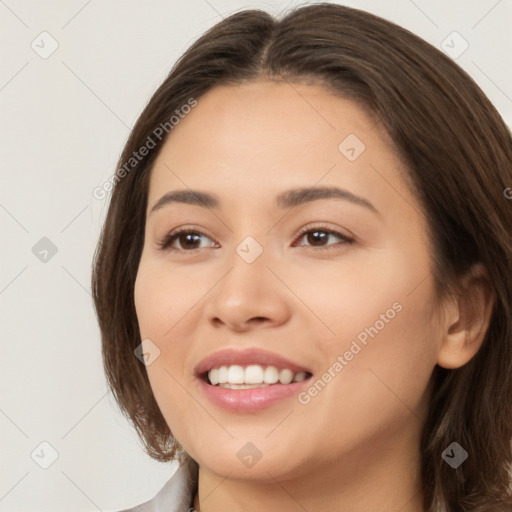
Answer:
(287, 199)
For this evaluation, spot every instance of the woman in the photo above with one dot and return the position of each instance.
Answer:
(304, 279)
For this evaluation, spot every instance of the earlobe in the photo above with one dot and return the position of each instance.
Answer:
(467, 318)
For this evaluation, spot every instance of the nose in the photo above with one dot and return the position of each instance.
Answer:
(249, 296)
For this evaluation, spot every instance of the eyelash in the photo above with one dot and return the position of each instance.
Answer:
(169, 238)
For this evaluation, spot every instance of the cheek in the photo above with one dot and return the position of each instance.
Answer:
(162, 298)
(164, 303)
(387, 357)
(380, 353)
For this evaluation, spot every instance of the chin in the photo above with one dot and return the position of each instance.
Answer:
(262, 460)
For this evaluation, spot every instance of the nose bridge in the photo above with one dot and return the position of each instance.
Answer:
(251, 247)
(249, 276)
(249, 289)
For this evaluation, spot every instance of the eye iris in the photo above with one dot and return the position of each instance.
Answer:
(189, 237)
(313, 239)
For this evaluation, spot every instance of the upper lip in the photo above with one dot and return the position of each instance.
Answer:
(230, 356)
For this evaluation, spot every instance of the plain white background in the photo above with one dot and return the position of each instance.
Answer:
(65, 118)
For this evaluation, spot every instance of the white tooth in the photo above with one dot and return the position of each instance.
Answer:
(213, 375)
(254, 374)
(271, 375)
(236, 374)
(236, 377)
(223, 374)
(285, 376)
(299, 377)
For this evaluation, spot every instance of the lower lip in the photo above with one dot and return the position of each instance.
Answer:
(250, 400)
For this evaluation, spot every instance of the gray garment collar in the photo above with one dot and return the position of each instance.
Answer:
(177, 495)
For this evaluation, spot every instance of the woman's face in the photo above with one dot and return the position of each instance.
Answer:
(330, 289)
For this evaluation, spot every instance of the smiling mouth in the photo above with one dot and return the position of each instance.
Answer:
(252, 376)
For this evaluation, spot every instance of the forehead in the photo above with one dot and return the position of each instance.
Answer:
(308, 110)
(243, 140)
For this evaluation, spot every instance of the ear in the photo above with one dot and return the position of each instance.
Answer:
(466, 319)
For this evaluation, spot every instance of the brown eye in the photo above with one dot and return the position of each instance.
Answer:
(318, 237)
(188, 240)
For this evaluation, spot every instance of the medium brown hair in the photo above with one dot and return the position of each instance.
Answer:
(458, 152)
